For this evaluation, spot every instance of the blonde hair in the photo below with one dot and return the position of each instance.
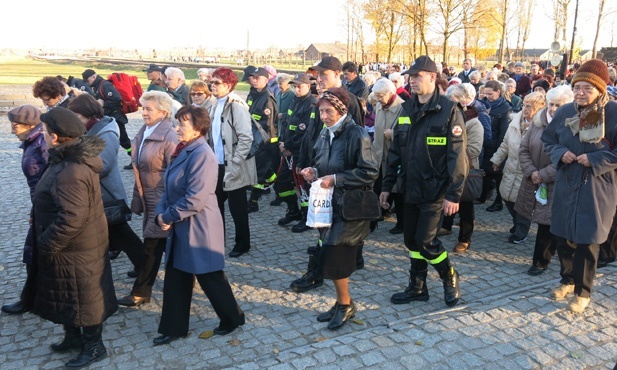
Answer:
(162, 101)
(536, 98)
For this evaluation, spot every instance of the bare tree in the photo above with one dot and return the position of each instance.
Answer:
(450, 21)
(525, 15)
(601, 16)
(375, 13)
(503, 17)
(355, 26)
(560, 17)
(387, 21)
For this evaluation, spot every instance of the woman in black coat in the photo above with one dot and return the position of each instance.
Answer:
(72, 281)
(343, 158)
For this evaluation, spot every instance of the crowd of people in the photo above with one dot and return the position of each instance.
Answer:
(408, 134)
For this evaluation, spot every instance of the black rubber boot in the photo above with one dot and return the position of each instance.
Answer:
(72, 340)
(301, 227)
(416, 291)
(254, 200)
(451, 289)
(93, 349)
(293, 212)
(312, 278)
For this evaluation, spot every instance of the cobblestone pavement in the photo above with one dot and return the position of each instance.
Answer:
(504, 319)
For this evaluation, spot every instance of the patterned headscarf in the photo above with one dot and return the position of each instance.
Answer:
(335, 101)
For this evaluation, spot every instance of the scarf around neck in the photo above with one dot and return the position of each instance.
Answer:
(589, 122)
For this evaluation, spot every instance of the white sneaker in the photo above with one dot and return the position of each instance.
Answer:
(562, 291)
(578, 304)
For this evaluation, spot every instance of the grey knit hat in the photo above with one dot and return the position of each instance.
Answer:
(26, 114)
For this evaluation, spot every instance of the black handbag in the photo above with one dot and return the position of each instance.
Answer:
(360, 204)
(116, 211)
(260, 136)
(473, 184)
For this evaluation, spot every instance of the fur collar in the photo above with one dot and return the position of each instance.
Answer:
(80, 150)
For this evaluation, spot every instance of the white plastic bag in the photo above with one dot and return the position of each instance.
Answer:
(320, 206)
(542, 194)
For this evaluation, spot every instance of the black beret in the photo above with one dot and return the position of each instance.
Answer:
(63, 122)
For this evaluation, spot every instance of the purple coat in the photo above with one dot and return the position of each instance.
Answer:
(33, 163)
(196, 240)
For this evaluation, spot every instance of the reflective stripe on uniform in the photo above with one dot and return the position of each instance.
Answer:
(417, 256)
(433, 140)
(274, 140)
(404, 121)
(256, 117)
(292, 127)
(303, 204)
(288, 193)
(271, 178)
(312, 114)
(250, 102)
(289, 112)
(128, 150)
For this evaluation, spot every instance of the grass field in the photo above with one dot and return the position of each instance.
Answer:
(28, 71)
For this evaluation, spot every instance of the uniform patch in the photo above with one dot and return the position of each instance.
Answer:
(109, 94)
(302, 126)
(436, 140)
(457, 131)
(267, 112)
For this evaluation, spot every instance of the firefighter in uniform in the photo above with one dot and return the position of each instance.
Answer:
(112, 104)
(329, 75)
(427, 157)
(290, 139)
(263, 109)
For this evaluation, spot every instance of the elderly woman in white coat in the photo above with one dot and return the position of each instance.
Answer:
(387, 110)
(539, 172)
(512, 174)
(465, 95)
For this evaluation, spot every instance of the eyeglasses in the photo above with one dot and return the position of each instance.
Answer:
(197, 94)
(585, 89)
(217, 82)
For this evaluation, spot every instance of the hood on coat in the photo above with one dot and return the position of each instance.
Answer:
(85, 149)
(539, 119)
(481, 106)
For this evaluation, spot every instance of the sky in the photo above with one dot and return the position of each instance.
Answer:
(217, 25)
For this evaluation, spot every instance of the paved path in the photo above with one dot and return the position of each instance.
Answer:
(504, 320)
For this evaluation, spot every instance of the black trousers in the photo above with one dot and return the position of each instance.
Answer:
(267, 163)
(608, 249)
(546, 245)
(178, 293)
(521, 223)
(238, 207)
(122, 121)
(123, 238)
(578, 265)
(467, 215)
(153, 254)
(420, 234)
(285, 186)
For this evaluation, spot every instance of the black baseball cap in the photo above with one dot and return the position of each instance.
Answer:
(422, 63)
(256, 72)
(247, 72)
(302, 78)
(331, 63)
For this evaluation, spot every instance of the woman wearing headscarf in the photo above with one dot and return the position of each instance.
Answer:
(188, 210)
(581, 143)
(26, 125)
(151, 151)
(512, 174)
(539, 179)
(72, 284)
(343, 159)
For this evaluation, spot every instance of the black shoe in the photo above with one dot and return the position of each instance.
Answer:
(341, 315)
(91, 352)
(512, 239)
(300, 227)
(132, 274)
(479, 201)
(396, 230)
(306, 283)
(14, 308)
(276, 202)
(253, 207)
(512, 229)
(219, 331)
(133, 301)
(114, 254)
(290, 217)
(166, 339)
(536, 270)
(128, 167)
(328, 315)
(494, 207)
(237, 252)
(415, 291)
(72, 340)
(451, 289)
(443, 232)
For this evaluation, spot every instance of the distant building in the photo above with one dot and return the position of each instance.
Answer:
(317, 51)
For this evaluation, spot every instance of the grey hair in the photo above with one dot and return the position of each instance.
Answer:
(283, 77)
(475, 74)
(561, 93)
(384, 85)
(172, 72)
(205, 71)
(461, 93)
(162, 101)
(370, 78)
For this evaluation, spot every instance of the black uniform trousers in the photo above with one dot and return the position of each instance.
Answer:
(420, 235)
(122, 121)
(546, 245)
(467, 215)
(178, 293)
(285, 185)
(238, 207)
(267, 162)
(123, 238)
(153, 254)
(578, 265)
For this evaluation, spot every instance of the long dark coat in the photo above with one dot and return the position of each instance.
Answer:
(73, 282)
(351, 158)
(585, 196)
